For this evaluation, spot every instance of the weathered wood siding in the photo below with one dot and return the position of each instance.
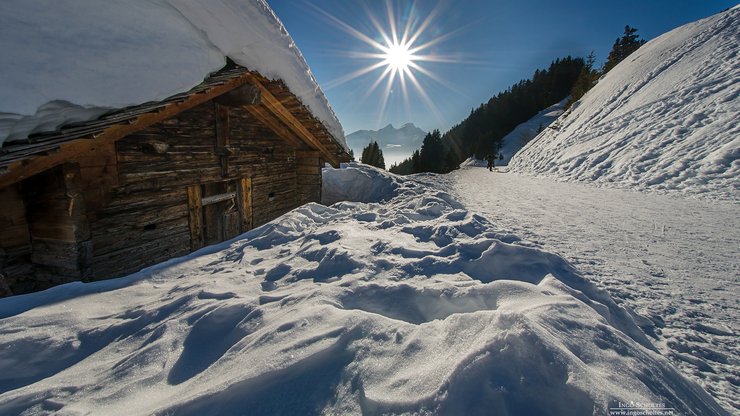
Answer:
(137, 202)
(58, 226)
(308, 168)
(146, 218)
(15, 241)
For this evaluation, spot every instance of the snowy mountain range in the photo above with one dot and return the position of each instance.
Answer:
(404, 139)
(663, 119)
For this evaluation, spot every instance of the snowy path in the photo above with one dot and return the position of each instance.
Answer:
(675, 261)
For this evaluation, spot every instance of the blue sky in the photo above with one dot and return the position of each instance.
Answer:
(487, 45)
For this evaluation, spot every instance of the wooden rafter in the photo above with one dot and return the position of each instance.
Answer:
(278, 109)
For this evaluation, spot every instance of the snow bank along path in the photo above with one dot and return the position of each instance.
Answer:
(72, 60)
(675, 261)
(665, 119)
(404, 303)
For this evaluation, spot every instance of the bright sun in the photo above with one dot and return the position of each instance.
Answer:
(398, 52)
(397, 56)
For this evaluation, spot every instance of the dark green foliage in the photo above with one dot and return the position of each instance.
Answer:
(409, 165)
(434, 156)
(623, 47)
(373, 156)
(433, 153)
(352, 154)
(481, 133)
(586, 80)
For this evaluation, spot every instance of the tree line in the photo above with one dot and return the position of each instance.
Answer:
(482, 132)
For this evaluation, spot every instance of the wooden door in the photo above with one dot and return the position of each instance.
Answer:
(219, 211)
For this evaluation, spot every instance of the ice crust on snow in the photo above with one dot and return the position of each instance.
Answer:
(72, 60)
(664, 119)
(405, 303)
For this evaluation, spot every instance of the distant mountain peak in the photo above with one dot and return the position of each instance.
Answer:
(406, 137)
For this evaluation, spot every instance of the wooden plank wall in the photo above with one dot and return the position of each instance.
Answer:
(58, 226)
(15, 241)
(146, 219)
(308, 167)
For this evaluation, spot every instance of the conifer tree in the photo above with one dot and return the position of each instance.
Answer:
(432, 155)
(623, 47)
(373, 156)
(586, 80)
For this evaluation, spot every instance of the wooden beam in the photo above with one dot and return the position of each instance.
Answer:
(195, 212)
(223, 133)
(214, 199)
(244, 198)
(282, 113)
(26, 168)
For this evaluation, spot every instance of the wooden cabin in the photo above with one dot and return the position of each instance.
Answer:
(143, 184)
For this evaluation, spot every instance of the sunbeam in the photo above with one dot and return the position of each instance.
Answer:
(400, 51)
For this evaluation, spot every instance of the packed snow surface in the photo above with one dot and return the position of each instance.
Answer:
(664, 119)
(405, 303)
(72, 60)
(673, 260)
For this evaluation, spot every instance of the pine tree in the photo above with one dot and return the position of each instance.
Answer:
(373, 156)
(623, 47)
(432, 155)
(586, 80)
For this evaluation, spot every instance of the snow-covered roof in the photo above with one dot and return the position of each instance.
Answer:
(72, 60)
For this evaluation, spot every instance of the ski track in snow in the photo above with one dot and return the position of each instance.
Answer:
(675, 261)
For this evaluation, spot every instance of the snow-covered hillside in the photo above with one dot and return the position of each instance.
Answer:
(666, 118)
(523, 133)
(72, 60)
(406, 303)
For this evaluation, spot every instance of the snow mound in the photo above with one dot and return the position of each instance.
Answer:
(412, 305)
(664, 119)
(357, 183)
(92, 58)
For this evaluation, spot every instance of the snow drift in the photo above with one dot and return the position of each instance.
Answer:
(72, 60)
(666, 118)
(404, 304)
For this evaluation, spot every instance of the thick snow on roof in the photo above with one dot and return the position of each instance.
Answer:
(70, 60)
(666, 118)
(406, 303)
